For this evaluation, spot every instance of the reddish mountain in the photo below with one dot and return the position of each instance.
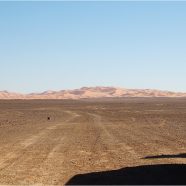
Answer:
(92, 92)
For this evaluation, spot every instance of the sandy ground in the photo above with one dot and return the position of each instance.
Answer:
(87, 136)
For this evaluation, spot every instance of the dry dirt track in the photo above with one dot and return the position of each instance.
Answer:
(87, 136)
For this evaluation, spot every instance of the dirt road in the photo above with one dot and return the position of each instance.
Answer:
(87, 136)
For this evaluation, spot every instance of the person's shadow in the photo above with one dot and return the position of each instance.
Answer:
(161, 174)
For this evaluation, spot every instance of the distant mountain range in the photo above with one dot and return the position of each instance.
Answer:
(92, 92)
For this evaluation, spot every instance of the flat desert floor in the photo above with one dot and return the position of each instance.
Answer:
(101, 141)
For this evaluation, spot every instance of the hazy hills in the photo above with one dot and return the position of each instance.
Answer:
(92, 92)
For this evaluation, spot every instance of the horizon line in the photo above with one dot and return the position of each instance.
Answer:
(71, 89)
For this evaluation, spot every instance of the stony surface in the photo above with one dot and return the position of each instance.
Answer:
(87, 136)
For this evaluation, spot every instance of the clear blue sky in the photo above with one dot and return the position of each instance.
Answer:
(66, 45)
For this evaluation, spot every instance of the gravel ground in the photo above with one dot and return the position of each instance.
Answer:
(88, 136)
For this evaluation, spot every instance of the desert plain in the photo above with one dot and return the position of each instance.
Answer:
(93, 141)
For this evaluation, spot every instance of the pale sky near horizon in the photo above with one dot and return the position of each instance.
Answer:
(66, 45)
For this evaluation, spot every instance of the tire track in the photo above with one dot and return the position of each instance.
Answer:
(22, 149)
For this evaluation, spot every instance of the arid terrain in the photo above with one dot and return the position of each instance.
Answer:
(92, 92)
(147, 135)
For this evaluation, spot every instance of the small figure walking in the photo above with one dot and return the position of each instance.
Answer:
(48, 118)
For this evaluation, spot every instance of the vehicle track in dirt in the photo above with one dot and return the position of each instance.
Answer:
(86, 136)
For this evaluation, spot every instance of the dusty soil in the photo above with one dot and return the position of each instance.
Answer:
(87, 136)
